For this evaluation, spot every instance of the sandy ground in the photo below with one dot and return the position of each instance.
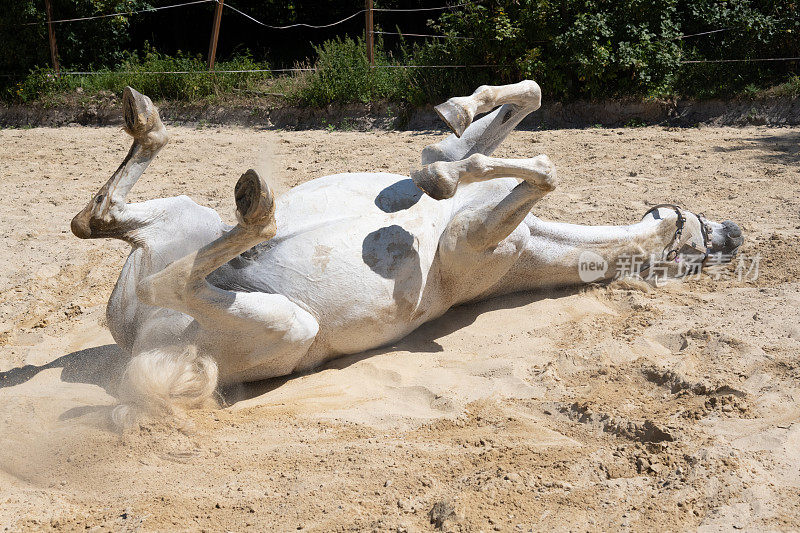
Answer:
(596, 409)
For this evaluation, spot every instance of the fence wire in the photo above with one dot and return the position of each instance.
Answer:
(290, 26)
(401, 34)
(255, 70)
(740, 60)
(121, 13)
(313, 69)
(332, 24)
(349, 17)
(699, 34)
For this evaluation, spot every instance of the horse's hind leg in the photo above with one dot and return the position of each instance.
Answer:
(516, 101)
(441, 179)
(486, 225)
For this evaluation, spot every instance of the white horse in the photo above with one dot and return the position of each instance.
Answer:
(348, 262)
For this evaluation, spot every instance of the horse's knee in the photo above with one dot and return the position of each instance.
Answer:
(531, 95)
(304, 328)
(433, 153)
(547, 176)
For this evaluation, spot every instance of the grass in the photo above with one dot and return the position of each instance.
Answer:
(146, 73)
(789, 89)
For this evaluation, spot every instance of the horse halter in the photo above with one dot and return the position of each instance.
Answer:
(672, 254)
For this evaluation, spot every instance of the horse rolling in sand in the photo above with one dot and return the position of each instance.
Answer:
(344, 263)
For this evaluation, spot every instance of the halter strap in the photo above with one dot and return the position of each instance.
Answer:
(680, 223)
(672, 254)
(706, 238)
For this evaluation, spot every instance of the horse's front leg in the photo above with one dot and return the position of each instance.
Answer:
(241, 336)
(107, 214)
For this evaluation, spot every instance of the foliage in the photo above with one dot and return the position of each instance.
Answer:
(600, 48)
(573, 48)
(790, 89)
(137, 71)
(757, 29)
(87, 44)
(343, 74)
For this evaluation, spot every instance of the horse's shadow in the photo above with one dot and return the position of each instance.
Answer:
(422, 340)
(103, 365)
(100, 365)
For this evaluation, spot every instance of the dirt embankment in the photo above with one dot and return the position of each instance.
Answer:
(105, 111)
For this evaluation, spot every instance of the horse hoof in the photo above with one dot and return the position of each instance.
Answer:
(456, 116)
(255, 203)
(434, 181)
(141, 119)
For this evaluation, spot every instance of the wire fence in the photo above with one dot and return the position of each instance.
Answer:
(297, 25)
(118, 14)
(240, 12)
(260, 70)
(221, 4)
(423, 35)
(754, 60)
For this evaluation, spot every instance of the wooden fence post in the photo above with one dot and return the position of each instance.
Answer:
(212, 47)
(51, 34)
(370, 34)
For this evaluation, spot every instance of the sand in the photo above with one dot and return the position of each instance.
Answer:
(600, 408)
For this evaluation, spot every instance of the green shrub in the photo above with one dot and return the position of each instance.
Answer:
(790, 89)
(573, 48)
(85, 44)
(602, 48)
(343, 74)
(758, 29)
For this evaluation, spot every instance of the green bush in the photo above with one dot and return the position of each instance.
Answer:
(758, 29)
(343, 74)
(84, 44)
(573, 48)
(602, 48)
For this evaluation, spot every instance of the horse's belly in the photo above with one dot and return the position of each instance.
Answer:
(364, 274)
(364, 280)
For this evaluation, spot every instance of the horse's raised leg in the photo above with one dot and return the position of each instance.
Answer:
(516, 101)
(261, 323)
(441, 179)
(259, 334)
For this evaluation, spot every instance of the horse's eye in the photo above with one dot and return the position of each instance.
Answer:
(98, 199)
